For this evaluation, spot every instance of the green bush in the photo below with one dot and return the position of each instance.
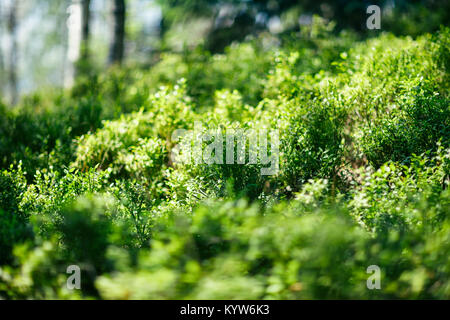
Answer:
(282, 254)
(44, 199)
(312, 144)
(85, 229)
(414, 129)
(389, 197)
(89, 175)
(14, 228)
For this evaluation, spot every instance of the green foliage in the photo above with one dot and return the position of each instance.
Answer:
(13, 220)
(389, 198)
(242, 67)
(41, 274)
(312, 145)
(364, 169)
(53, 190)
(281, 254)
(213, 176)
(226, 246)
(85, 228)
(413, 129)
(39, 133)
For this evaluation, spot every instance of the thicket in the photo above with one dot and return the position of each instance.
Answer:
(87, 176)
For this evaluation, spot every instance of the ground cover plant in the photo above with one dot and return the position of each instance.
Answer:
(87, 176)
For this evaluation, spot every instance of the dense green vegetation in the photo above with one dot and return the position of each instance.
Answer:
(87, 176)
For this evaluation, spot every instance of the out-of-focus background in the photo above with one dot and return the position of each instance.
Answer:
(47, 44)
(95, 92)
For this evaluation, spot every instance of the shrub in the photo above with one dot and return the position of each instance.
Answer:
(413, 129)
(363, 175)
(86, 231)
(53, 190)
(281, 253)
(14, 228)
(212, 175)
(404, 197)
(312, 144)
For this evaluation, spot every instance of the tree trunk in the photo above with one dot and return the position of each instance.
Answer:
(85, 22)
(116, 49)
(2, 64)
(12, 72)
(163, 28)
(78, 40)
(73, 41)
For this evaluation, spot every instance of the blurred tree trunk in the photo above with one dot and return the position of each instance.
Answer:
(116, 48)
(85, 22)
(2, 64)
(12, 31)
(78, 40)
(163, 28)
